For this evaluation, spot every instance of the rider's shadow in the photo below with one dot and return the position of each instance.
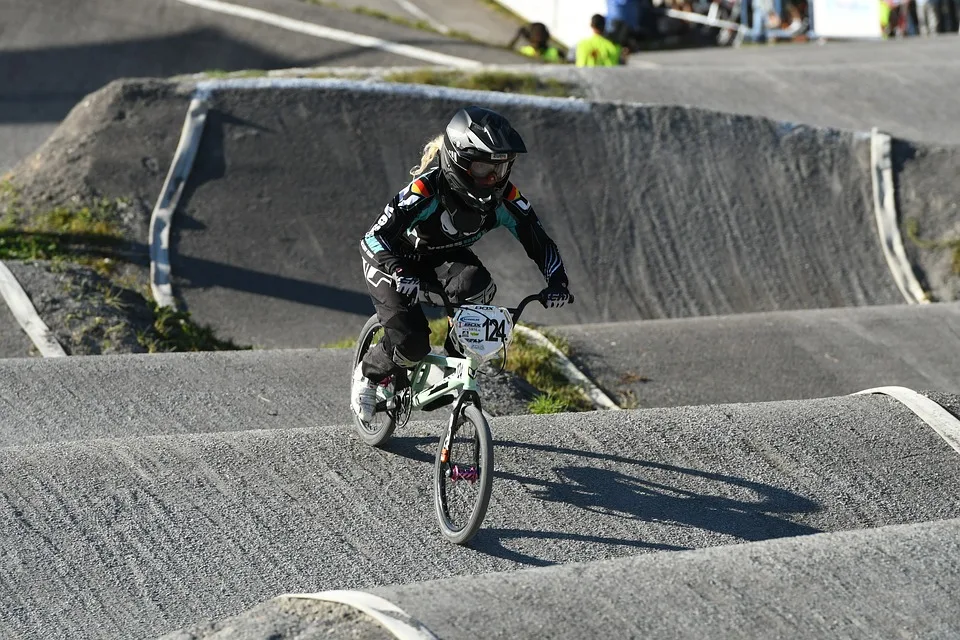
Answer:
(646, 492)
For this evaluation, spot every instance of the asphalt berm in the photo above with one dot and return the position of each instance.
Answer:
(713, 214)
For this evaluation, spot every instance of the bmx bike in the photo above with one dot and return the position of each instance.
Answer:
(464, 458)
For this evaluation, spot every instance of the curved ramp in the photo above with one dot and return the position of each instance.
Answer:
(780, 355)
(883, 582)
(140, 536)
(715, 214)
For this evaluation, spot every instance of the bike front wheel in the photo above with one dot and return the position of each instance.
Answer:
(463, 476)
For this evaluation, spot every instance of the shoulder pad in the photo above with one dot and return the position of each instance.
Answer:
(419, 189)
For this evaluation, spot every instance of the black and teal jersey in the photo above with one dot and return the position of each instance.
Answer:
(415, 224)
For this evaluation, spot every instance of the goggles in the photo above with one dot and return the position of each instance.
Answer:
(487, 173)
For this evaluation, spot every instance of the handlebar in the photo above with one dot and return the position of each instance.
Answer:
(430, 286)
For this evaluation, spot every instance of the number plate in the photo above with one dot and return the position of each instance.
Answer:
(482, 330)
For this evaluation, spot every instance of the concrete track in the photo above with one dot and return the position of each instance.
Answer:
(897, 581)
(129, 537)
(772, 356)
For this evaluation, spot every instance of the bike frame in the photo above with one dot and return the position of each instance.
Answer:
(461, 379)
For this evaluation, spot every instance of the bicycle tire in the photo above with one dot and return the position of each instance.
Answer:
(379, 436)
(463, 534)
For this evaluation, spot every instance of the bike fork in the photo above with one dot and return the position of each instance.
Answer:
(467, 397)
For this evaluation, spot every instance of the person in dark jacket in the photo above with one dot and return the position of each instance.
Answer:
(425, 232)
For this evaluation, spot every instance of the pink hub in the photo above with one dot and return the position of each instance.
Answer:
(468, 473)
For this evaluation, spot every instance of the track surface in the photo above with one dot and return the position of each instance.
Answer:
(885, 582)
(139, 536)
(772, 356)
(107, 39)
(896, 86)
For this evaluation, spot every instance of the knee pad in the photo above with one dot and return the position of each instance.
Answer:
(413, 349)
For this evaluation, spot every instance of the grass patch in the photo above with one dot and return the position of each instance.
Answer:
(342, 343)
(242, 73)
(422, 25)
(175, 331)
(538, 366)
(501, 81)
(953, 245)
(78, 232)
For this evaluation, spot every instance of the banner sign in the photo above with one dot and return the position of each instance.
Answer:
(847, 18)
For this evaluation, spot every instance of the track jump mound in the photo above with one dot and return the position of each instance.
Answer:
(660, 212)
(139, 536)
(874, 582)
(93, 397)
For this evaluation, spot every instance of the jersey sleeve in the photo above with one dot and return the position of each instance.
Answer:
(517, 215)
(382, 242)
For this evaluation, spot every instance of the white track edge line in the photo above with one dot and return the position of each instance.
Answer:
(397, 621)
(413, 9)
(593, 392)
(885, 210)
(328, 33)
(937, 418)
(161, 219)
(27, 316)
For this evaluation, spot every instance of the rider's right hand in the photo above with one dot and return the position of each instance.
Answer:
(406, 286)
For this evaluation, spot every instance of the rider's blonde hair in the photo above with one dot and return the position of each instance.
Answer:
(430, 151)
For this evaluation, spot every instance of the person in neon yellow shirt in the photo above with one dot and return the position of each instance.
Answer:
(538, 36)
(597, 50)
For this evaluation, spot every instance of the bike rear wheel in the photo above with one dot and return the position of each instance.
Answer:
(463, 476)
(381, 427)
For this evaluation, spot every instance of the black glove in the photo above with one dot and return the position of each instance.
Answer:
(555, 296)
(406, 286)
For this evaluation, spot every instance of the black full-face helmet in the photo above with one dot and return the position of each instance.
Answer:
(479, 148)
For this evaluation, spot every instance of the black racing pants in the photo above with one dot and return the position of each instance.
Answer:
(406, 337)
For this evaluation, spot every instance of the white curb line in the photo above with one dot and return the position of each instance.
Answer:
(598, 397)
(414, 10)
(26, 315)
(402, 625)
(938, 418)
(162, 217)
(327, 33)
(885, 209)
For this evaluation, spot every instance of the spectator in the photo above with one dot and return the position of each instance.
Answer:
(597, 50)
(798, 26)
(623, 21)
(537, 34)
(763, 17)
(927, 17)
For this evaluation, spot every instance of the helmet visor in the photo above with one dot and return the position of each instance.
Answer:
(487, 173)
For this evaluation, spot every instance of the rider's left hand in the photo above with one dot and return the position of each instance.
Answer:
(555, 296)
